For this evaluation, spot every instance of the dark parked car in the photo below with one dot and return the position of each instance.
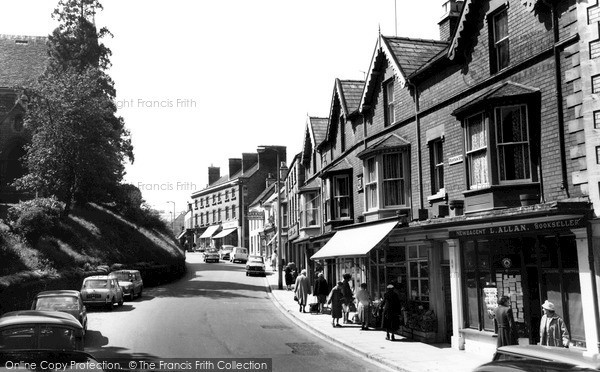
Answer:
(540, 359)
(67, 301)
(130, 281)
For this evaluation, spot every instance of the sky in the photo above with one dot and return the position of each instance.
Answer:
(199, 81)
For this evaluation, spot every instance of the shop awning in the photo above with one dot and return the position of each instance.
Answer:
(353, 242)
(224, 233)
(209, 231)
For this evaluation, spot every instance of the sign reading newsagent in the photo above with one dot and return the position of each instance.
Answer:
(559, 224)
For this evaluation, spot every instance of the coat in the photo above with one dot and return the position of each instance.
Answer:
(556, 334)
(289, 278)
(391, 310)
(335, 299)
(321, 287)
(506, 325)
(347, 292)
(302, 289)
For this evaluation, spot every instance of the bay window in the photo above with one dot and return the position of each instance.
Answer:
(371, 184)
(390, 170)
(309, 216)
(477, 154)
(513, 143)
(393, 180)
(337, 197)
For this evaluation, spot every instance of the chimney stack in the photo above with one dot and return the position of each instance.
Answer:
(248, 160)
(451, 10)
(235, 165)
(214, 173)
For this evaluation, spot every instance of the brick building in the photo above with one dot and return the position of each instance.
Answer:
(22, 60)
(219, 211)
(467, 168)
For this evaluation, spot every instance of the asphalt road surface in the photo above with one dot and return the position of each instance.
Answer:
(214, 312)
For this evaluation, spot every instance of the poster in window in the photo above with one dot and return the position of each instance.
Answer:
(490, 292)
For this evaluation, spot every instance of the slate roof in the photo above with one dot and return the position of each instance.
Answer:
(351, 91)
(390, 142)
(342, 165)
(319, 129)
(501, 91)
(267, 192)
(411, 54)
(22, 59)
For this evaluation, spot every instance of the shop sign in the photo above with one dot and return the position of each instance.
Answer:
(229, 225)
(520, 228)
(293, 232)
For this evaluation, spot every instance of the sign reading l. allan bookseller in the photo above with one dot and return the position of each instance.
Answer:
(560, 224)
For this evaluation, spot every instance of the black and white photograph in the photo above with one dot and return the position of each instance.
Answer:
(268, 185)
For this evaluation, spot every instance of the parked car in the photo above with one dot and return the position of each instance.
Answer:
(101, 290)
(131, 282)
(255, 266)
(38, 329)
(225, 252)
(540, 358)
(211, 255)
(67, 301)
(31, 360)
(238, 254)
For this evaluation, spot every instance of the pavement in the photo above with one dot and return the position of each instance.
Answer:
(401, 355)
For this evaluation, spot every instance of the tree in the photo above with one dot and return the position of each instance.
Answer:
(79, 145)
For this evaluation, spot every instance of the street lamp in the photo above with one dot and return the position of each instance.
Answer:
(280, 253)
(172, 221)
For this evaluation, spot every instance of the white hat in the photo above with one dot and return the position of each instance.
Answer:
(548, 306)
(390, 286)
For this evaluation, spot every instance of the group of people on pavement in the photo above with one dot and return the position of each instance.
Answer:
(342, 302)
(553, 331)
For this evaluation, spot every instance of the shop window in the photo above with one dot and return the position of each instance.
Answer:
(436, 156)
(499, 45)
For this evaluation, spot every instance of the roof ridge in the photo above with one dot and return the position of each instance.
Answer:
(352, 81)
(27, 37)
(416, 39)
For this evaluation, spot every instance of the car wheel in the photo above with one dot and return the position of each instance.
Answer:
(121, 302)
(109, 305)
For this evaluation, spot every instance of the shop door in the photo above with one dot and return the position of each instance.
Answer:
(534, 305)
(447, 301)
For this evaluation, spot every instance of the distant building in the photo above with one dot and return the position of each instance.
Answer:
(219, 211)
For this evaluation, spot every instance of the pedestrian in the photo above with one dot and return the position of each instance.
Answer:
(274, 260)
(364, 302)
(302, 290)
(391, 312)
(321, 290)
(553, 331)
(335, 299)
(289, 278)
(505, 321)
(347, 295)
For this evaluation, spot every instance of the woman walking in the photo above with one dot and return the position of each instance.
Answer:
(364, 301)
(289, 279)
(553, 331)
(391, 311)
(505, 321)
(321, 291)
(347, 294)
(335, 299)
(302, 290)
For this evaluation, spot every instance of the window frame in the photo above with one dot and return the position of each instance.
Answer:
(389, 104)
(436, 164)
(371, 184)
(497, 42)
(310, 203)
(402, 178)
(499, 145)
(469, 151)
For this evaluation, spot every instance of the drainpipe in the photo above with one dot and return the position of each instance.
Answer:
(418, 133)
(559, 99)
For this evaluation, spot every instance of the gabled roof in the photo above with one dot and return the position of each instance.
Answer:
(388, 143)
(22, 59)
(405, 55)
(462, 33)
(342, 165)
(347, 94)
(316, 130)
(502, 91)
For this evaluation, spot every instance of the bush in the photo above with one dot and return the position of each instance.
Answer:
(34, 218)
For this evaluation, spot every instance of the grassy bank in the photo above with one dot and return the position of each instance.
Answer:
(92, 239)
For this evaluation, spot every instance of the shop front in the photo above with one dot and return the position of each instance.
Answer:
(530, 260)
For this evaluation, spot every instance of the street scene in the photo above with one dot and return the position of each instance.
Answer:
(273, 186)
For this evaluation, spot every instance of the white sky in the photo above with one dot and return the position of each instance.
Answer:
(250, 71)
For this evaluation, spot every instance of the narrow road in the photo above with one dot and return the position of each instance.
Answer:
(214, 312)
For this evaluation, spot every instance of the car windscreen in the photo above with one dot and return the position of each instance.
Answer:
(97, 283)
(127, 277)
(57, 303)
(256, 259)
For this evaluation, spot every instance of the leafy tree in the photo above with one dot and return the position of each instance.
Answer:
(79, 145)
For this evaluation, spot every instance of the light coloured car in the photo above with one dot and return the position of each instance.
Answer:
(101, 290)
(238, 254)
(130, 281)
(255, 266)
(67, 301)
(225, 252)
(37, 329)
(211, 255)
